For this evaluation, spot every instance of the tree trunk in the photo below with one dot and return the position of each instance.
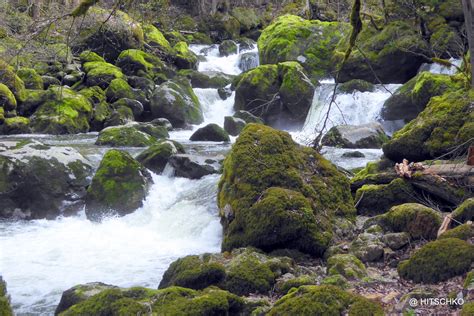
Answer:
(468, 6)
(35, 8)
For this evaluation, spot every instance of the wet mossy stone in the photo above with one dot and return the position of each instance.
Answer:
(354, 85)
(120, 115)
(88, 56)
(119, 89)
(464, 232)
(118, 187)
(211, 133)
(31, 78)
(124, 136)
(411, 98)
(233, 125)
(16, 125)
(9, 78)
(369, 135)
(223, 27)
(248, 117)
(7, 99)
(228, 47)
(323, 300)
(262, 158)
(64, 112)
(135, 106)
(176, 101)
(135, 62)
(5, 307)
(185, 58)
(279, 94)
(374, 199)
(207, 79)
(284, 286)
(156, 39)
(395, 54)
(157, 156)
(464, 212)
(419, 221)
(347, 265)
(438, 261)
(291, 38)
(95, 94)
(445, 123)
(101, 74)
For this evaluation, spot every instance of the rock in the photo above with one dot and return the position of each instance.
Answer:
(118, 187)
(280, 94)
(31, 78)
(5, 307)
(378, 199)
(135, 62)
(248, 61)
(89, 56)
(50, 81)
(445, 123)
(7, 99)
(233, 125)
(63, 112)
(395, 53)
(265, 176)
(243, 271)
(346, 265)
(248, 117)
(289, 281)
(101, 74)
(247, 18)
(464, 212)
(367, 247)
(193, 167)
(15, 125)
(119, 89)
(135, 106)
(207, 79)
(156, 39)
(176, 101)
(38, 181)
(157, 156)
(131, 135)
(355, 85)
(211, 133)
(438, 261)
(121, 115)
(323, 299)
(223, 27)
(312, 43)
(353, 154)
(80, 293)
(419, 221)
(162, 122)
(246, 44)
(464, 232)
(185, 58)
(369, 135)
(224, 93)
(9, 78)
(227, 48)
(396, 241)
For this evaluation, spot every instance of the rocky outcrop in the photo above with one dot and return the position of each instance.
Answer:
(80, 293)
(369, 135)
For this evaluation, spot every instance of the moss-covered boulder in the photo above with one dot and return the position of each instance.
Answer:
(64, 112)
(411, 98)
(347, 265)
(7, 99)
(291, 38)
(419, 221)
(354, 85)
(445, 123)
(5, 307)
(9, 78)
(227, 48)
(373, 199)
(464, 212)
(369, 135)
(101, 74)
(89, 56)
(135, 62)
(128, 135)
(280, 94)
(31, 78)
(134, 105)
(438, 261)
(157, 156)
(118, 89)
(118, 187)
(367, 247)
(33, 99)
(156, 39)
(212, 133)
(464, 232)
(263, 158)
(15, 125)
(324, 300)
(243, 271)
(185, 58)
(207, 79)
(394, 54)
(175, 100)
(117, 116)
(233, 125)
(223, 27)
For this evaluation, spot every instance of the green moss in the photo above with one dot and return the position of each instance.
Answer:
(94, 94)
(346, 265)
(185, 58)
(5, 307)
(135, 62)
(124, 136)
(7, 99)
(464, 212)
(356, 85)
(9, 78)
(469, 281)
(363, 306)
(156, 157)
(436, 130)
(419, 221)
(467, 309)
(89, 56)
(438, 261)
(378, 199)
(83, 7)
(247, 18)
(119, 89)
(288, 37)
(335, 280)
(64, 112)
(296, 283)
(211, 132)
(31, 79)
(101, 74)
(464, 232)
(16, 125)
(155, 38)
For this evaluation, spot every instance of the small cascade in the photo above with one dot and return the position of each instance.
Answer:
(440, 69)
(214, 108)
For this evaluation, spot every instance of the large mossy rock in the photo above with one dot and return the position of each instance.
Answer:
(207, 79)
(5, 306)
(411, 98)
(64, 112)
(118, 187)
(280, 94)
(419, 221)
(175, 100)
(185, 58)
(31, 78)
(438, 261)
(9, 78)
(347, 265)
(36, 180)
(464, 212)
(291, 38)
(324, 300)
(194, 166)
(101, 73)
(15, 125)
(446, 122)
(131, 135)
(243, 271)
(170, 301)
(307, 191)
(369, 135)
(157, 156)
(135, 62)
(211, 133)
(120, 32)
(394, 54)
(156, 39)
(7, 99)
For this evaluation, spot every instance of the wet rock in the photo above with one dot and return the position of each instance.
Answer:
(126, 136)
(162, 122)
(207, 79)
(248, 117)
(39, 181)
(356, 85)
(157, 156)
(353, 154)
(212, 133)
(185, 58)
(369, 135)
(248, 61)
(227, 48)
(194, 167)
(224, 93)
(233, 125)
(134, 105)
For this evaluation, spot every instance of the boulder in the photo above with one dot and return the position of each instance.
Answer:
(131, 135)
(369, 135)
(233, 125)
(312, 43)
(464, 232)
(211, 133)
(15, 125)
(7, 99)
(248, 117)
(354, 85)
(121, 115)
(248, 61)
(367, 247)
(194, 167)
(227, 48)
(207, 79)
(38, 180)
(396, 241)
(162, 122)
(271, 195)
(280, 94)
(175, 100)
(445, 123)
(119, 89)
(80, 293)
(135, 106)
(31, 78)
(464, 212)
(157, 155)
(247, 17)
(155, 39)
(118, 187)
(347, 265)
(101, 73)
(135, 62)
(9, 78)
(185, 58)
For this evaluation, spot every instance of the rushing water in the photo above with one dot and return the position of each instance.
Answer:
(40, 259)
